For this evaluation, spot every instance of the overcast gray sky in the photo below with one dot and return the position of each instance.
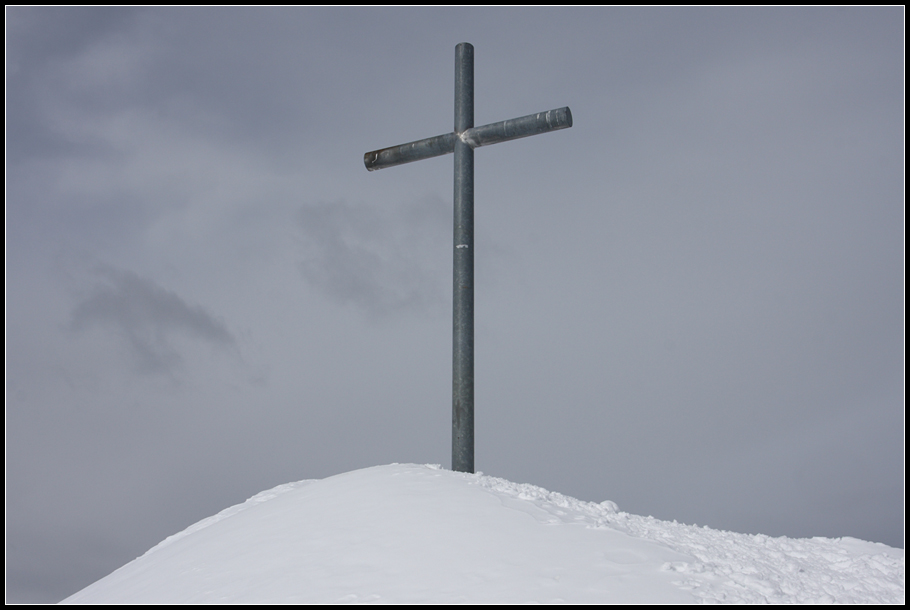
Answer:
(690, 303)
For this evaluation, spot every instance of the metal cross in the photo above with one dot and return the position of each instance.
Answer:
(462, 142)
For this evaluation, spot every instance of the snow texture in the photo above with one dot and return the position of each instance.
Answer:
(406, 533)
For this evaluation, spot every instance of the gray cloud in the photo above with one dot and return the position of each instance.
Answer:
(381, 261)
(147, 317)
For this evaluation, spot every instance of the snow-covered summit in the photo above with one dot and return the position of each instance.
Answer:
(406, 533)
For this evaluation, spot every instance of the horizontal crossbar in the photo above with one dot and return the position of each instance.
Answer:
(503, 131)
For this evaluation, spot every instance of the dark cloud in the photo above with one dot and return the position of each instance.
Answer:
(148, 318)
(38, 38)
(381, 261)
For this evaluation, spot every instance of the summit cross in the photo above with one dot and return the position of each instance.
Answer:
(462, 142)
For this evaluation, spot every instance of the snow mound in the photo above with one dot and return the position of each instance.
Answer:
(406, 533)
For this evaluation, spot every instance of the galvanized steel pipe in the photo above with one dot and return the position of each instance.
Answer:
(462, 141)
(463, 265)
(503, 131)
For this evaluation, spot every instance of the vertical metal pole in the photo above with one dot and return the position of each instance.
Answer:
(463, 284)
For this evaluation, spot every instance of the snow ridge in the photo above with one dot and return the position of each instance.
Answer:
(408, 533)
(739, 568)
(262, 496)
